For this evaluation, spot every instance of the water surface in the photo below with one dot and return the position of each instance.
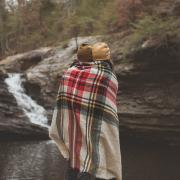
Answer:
(40, 160)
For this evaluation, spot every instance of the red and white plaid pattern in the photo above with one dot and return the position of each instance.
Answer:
(85, 125)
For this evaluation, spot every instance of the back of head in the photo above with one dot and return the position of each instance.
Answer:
(84, 53)
(100, 51)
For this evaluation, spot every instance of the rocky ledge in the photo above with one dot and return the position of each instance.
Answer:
(41, 70)
(13, 122)
(148, 97)
(149, 86)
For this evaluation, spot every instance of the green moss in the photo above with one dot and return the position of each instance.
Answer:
(149, 28)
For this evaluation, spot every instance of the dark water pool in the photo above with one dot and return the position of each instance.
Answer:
(40, 160)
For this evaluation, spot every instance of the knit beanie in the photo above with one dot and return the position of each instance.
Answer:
(84, 53)
(100, 51)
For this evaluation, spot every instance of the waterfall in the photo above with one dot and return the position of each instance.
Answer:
(32, 110)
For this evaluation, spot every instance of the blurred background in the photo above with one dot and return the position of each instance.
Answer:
(38, 41)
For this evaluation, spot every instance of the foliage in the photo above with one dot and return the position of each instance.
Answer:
(155, 29)
(129, 11)
(108, 18)
(31, 23)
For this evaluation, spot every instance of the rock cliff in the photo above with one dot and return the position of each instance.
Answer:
(149, 86)
(41, 68)
(13, 122)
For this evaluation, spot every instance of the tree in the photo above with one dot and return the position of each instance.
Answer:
(3, 35)
(83, 19)
(29, 24)
(129, 11)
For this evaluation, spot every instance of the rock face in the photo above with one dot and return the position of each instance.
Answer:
(21, 62)
(148, 97)
(13, 123)
(41, 68)
(149, 86)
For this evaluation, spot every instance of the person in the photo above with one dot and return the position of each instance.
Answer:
(85, 124)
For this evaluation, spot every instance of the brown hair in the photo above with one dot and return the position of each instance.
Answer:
(84, 53)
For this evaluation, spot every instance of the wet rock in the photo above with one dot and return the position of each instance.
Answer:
(21, 62)
(13, 123)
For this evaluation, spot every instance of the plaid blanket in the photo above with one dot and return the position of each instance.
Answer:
(85, 124)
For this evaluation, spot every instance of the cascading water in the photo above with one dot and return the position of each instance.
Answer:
(33, 111)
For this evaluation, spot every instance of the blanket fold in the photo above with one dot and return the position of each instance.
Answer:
(85, 124)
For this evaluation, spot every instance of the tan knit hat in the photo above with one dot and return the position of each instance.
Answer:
(100, 51)
(84, 53)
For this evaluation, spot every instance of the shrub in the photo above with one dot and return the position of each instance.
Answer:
(155, 29)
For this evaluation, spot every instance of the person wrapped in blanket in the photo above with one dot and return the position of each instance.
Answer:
(85, 124)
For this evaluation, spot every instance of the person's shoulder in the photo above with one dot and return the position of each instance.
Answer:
(105, 64)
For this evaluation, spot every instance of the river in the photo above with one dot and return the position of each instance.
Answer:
(40, 160)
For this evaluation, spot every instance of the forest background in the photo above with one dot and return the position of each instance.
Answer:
(29, 24)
